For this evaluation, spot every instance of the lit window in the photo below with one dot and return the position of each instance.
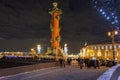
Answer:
(102, 47)
(106, 54)
(92, 54)
(119, 46)
(117, 54)
(114, 46)
(99, 53)
(92, 47)
(110, 46)
(98, 47)
(95, 47)
(116, 59)
(106, 47)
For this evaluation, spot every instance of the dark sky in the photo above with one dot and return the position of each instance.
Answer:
(25, 23)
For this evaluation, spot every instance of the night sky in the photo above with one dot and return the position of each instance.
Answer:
(25, 23)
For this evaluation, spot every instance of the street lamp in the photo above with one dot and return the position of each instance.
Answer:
(33, 52)
(65, 49)
(112, 35)
(38, 49)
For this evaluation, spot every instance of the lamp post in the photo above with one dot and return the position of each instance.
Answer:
(112, 35)
(38, 49)
(33, 52)
(65, 49)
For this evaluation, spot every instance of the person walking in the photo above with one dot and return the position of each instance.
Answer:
(80, 61)
(98, 64)
(61, 62)
(95, 63)
(64, 62)
(69, 60)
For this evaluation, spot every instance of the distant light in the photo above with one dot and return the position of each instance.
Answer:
(65, 49)
(96, 2)
(116, 17)
(101, 10)
(109, 33)
(38, 49)
(105, 15)
(108, 18)
(112, 14)
(94, 6)
(113, 22)
(115, 32)
(116, 21)
(109, 10)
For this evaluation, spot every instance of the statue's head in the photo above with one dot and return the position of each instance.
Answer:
(55, 4)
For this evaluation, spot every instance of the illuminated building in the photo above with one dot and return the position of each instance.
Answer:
(102, 51)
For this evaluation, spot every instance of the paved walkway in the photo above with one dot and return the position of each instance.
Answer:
(57, 73)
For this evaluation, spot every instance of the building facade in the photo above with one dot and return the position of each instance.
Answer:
(101, 51)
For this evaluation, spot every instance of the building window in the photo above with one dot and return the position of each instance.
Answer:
(92, 54)
(119, 46)
(98, 47)
(102, 47)
(110, 46)
(92, 47)
(115, 46)
(116, 54)
(106, 54)
(106, 47)
(116, 59)
(99, 53)
(95, 47)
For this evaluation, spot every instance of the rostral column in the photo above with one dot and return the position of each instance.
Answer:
(55, 28)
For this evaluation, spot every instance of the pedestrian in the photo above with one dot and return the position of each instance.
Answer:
(80, 61)
(98, 64)
(61, 62)
(69, 60)
(64, 62)
(95, 63)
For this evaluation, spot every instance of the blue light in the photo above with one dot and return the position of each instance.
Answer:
(96, 2)
(109, 10)
(116, 17)
(108, 18)
(116, 21)
(113, 22)
(101, 10)
(94, 6)
(105, 15)
(112, 14)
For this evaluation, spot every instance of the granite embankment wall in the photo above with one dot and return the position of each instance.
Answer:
(21, 69)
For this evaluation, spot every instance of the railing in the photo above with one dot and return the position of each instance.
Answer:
(111, 74)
